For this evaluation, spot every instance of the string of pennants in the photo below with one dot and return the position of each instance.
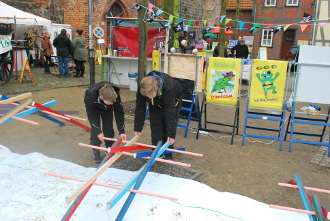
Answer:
(189, 23)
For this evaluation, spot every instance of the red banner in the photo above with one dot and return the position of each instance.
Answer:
(125, 41)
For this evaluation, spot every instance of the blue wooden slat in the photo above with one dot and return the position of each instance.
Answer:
(159, 151)
(148, 153)
(29, 111)
(140, 180)
(304, 197)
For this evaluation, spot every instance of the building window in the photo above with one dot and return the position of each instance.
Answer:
(270, 2)
(292, 2)
(267, 38)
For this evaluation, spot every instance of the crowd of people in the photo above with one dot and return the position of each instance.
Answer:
(183, 44)
(64, 49)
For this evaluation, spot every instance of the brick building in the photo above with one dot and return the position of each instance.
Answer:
(75, 12)
(286, 15)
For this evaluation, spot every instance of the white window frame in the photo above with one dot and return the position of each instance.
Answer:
(271, 3)
(292, 2)
(267, 38)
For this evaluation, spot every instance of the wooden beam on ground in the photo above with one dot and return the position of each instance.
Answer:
(152, 146)
(55, 112)
(134, 154)
(15, 110)
(98, 172)
(157, 152)
(80, 198)
(324, 209)
(24, 120)
(30, 111)
(114, 187)
(17, 98)
(307, 188)
(294, 210)
(144, 170)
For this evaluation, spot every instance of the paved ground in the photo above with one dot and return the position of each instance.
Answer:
(252, 170)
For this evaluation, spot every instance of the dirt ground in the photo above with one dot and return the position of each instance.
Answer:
(253, 170)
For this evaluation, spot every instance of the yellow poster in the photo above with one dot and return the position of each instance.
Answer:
(222, 82)
(98, 59)
(268, 84)
(156, 60)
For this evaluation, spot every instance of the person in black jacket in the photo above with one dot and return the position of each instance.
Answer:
(216, 51)
(63, 48)
(102, 100)
(164, 97)
(240, 50)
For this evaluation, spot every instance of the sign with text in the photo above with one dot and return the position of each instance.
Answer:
(5, 43)
(222, 81)
(268, 81)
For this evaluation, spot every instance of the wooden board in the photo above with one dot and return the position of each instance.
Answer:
(184, 66)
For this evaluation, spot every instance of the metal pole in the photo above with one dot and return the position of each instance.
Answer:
(16, 49)
(90, 50)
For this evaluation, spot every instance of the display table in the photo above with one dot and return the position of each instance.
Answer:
(116, 69)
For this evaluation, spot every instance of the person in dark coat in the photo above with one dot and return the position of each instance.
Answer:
(240, 50)
(63, 48)
(79, 53)
(102, 100)
(164, 97)
(216, 51)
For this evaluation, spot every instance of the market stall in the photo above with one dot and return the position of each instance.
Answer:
(27, 27)
(122, 61)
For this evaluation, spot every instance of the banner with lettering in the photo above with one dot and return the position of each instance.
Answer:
(5, 43)
(268, 81)
(222, 81)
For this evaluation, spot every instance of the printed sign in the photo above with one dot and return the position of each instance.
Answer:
(222, 82)
(268, 84)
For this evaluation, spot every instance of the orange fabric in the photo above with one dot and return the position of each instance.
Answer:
(46, 47)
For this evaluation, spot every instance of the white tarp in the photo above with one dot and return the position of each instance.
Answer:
(28, 194)
(7, 14)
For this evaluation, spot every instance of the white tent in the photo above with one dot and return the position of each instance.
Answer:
(8, 14)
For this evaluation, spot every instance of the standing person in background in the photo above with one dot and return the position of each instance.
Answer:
(240, 50)
(216, 51)
(46, 51)
(79, 53)
(64, 48)
(102, 100)
(164, 97)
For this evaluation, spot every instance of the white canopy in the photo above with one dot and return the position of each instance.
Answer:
(7, 14)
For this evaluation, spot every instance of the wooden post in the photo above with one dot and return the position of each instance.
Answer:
(143, 40)
(222, 29)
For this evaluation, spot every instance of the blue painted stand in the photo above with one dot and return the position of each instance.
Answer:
(311, 121)
(264, 116)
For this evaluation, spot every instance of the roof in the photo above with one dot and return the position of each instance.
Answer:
(244, 4)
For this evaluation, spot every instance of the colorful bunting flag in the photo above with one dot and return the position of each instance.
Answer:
(322, 24)
(241, 25)
(286, 27)
(227, 20)
(303, 27)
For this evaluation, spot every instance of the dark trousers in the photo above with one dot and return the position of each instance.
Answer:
(48, 60)
(80, 68)
(107, 128)
(158, 123)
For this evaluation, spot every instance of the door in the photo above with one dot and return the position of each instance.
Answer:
(287, 42)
